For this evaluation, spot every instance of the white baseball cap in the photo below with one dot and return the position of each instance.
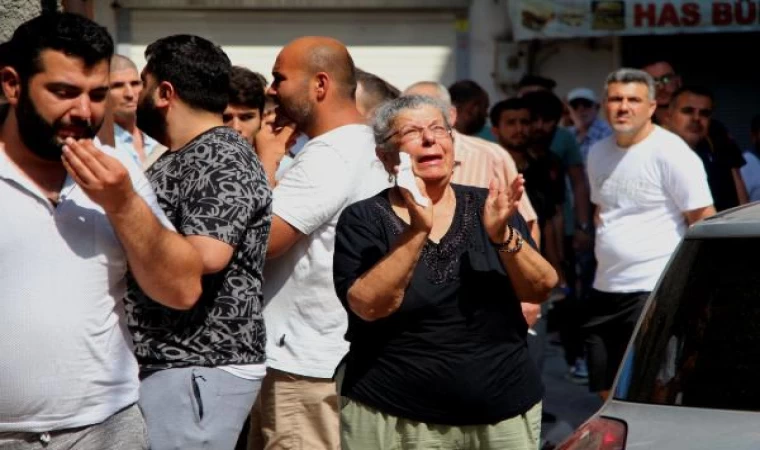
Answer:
(582, 92)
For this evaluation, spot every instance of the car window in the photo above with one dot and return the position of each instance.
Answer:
(699, 340)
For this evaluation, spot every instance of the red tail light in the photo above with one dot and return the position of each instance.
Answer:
(599, 433)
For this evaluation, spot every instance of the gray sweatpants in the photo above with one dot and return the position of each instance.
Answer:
(122, 431)
(196, 408)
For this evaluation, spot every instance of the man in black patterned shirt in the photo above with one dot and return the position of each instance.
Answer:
(201, 369)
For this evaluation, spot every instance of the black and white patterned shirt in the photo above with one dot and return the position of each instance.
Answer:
(214, 186)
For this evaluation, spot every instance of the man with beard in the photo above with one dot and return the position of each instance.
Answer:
(201, 369)
(546, 111)
(668, 81)
(314, 87)
(648, 186)
(576, 210)
(689, 116)
(74, 217)
(544, 184)
(125, 88)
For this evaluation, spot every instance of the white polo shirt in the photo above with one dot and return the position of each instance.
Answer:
(65, 353)
(305, 321)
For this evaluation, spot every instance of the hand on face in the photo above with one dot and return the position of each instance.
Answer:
(500, 205)
(420, 217)
(275, 137)
(103, 178)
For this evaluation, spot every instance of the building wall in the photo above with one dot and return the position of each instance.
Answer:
(16, 12)
(488, 22)
(570, 62)
(578, 63)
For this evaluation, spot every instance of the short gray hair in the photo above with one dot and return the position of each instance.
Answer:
(627, 75)
(386, 114)
(442, 92)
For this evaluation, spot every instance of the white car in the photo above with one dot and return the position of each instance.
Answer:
(691, 375)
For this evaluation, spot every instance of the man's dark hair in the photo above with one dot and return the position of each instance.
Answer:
(543, 104)
(69, 33)
(247, 88)
(375, 89)
(466, 91)
(701, 91)
(649, 59)
(198, 70)
(5, 54)
(510, 104)
(536, 80)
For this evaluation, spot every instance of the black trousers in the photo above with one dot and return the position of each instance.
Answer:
(608, 328)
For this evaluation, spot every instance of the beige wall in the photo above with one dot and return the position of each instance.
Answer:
(13, 14)
(579, 63)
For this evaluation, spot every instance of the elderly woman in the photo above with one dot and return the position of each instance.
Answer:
(438, 355)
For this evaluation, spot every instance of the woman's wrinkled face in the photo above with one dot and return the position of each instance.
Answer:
(424, 135)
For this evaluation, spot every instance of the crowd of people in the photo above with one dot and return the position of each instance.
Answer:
(247, 266)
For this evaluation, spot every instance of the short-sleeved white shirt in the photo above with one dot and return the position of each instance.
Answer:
(65, 354)
(305, 321)
(642, 193)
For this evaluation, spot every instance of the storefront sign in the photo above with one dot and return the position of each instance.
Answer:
(545, 19)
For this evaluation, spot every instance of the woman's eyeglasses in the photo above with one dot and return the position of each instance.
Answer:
(414, 133)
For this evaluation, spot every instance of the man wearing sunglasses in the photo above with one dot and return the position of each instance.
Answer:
(690, 116)
(667, 82)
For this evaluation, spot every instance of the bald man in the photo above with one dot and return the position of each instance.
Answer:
(125, 88)
(314, 87)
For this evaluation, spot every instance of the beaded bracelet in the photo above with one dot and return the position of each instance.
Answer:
(518, 245)
(503, 246)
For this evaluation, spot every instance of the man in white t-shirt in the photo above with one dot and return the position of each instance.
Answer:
(314, 87)
(74, 217)
(647, 186)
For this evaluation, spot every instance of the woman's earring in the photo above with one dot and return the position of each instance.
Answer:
(391, 178)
